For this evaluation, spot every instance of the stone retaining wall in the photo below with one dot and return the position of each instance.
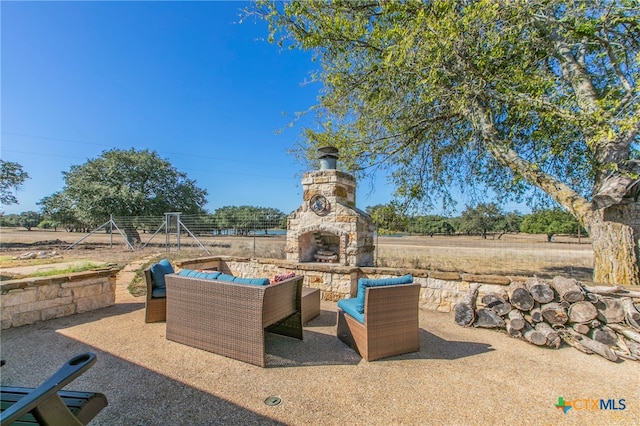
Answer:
(440, 290)
(29, 300)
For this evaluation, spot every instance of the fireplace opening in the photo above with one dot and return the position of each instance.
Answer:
(319, 247)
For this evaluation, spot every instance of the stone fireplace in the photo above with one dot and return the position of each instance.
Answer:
(328, 227)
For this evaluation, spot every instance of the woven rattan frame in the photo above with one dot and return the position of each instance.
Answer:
(390, 323)
(230, 319)
(155, 307)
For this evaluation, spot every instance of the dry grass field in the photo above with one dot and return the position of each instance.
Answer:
(513, 254)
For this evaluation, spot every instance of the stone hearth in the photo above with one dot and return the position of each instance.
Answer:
(328, 227)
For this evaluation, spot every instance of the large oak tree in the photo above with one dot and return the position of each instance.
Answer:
(125, 183)
(507, 94)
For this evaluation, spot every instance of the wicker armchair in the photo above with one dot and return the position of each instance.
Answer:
(155, 307)
(230, 319)
(390, 324)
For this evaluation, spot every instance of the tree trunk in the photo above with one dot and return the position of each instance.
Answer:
(132, 235)
(519, 296)
(540, 291)
(582, 312)
(568, 289)
(487, 318)
(616, 253)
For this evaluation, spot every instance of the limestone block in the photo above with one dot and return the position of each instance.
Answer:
(429, 306)
(57, 312)
(316, 281)
(346, 219)
(47, 292)
(444, 307)
(42, 304)
(342, 286)
(331, 296)
(7, 313)
(422, 281)
(25, 318)
(435, 283)
(19, 297)
(430, 295)
(83, 283)
(109, 286)
(4, 324)
(65, 292)
(95, 302)
(87, 290)
(340, 191)
(491, 288)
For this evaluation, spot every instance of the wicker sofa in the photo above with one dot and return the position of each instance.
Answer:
(230, 318)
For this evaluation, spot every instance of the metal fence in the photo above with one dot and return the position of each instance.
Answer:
(209, 233)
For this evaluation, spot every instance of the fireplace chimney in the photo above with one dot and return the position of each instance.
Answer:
(328, 156)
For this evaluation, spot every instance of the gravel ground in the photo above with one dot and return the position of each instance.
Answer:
(460, 376)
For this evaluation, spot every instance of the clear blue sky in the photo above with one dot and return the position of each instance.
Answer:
(184, 79)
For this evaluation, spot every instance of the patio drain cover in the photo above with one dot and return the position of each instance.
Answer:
(272, 400)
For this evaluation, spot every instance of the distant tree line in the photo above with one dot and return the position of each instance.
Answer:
(233, 220)
(483, 219)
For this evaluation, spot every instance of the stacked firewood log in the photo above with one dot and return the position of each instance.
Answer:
(604, 320)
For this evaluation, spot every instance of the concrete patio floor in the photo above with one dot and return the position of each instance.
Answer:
(460, 376)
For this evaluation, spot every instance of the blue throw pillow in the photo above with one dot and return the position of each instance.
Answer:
(363, 283)
(158, 271)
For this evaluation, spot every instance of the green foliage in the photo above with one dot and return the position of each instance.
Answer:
(433, 224)
(243, 219)
(29, 219)
(481, 219)
(446, 94)
(10, 220)
(11, 179)
(122, 183)
(84, 266)
(550, 222)
(388, 217)
(58, 209)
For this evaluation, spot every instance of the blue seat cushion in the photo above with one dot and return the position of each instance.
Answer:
(363, 283)
(158, 271)
(349, 307)
(158, 293)
(197, 274)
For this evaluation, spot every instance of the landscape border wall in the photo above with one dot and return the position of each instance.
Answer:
(440, 291)
(30, 300)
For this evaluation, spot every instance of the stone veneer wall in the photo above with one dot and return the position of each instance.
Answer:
(29, 300)
(353, 227)
(440, 290)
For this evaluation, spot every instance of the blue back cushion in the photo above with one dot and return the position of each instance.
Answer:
(197, 274)
(158, 271)
(253, 281)
(226, 277)
(363, 283)
(223, 277)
